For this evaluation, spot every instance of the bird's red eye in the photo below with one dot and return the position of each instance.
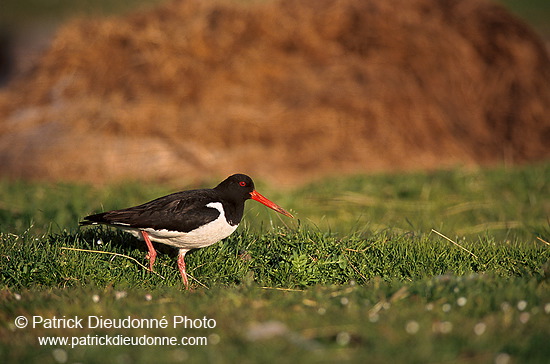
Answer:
(242, 183)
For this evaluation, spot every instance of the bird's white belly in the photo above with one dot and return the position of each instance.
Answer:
(201, 237)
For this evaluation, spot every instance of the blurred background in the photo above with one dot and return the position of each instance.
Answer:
(287, 90)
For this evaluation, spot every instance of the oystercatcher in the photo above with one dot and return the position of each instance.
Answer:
(187, 220)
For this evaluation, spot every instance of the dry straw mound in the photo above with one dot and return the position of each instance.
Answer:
(286, 89)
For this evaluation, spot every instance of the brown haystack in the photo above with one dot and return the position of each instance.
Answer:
(286, 89)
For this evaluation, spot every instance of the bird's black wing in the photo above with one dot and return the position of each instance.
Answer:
(181, 211)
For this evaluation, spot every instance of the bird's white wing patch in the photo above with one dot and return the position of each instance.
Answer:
(202, 236)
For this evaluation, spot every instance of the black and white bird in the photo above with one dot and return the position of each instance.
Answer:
(187, 220)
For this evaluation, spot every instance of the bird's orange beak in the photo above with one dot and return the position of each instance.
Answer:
(258, 197)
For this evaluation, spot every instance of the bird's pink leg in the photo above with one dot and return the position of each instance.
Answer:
(152, 254)
(181, 267)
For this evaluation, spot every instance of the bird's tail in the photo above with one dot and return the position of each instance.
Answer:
(86, 223)
(93, 220)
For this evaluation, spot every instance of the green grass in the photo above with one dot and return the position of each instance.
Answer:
(470, 319)
(360, 274)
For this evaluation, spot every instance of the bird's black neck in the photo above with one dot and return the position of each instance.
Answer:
(233, 212)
